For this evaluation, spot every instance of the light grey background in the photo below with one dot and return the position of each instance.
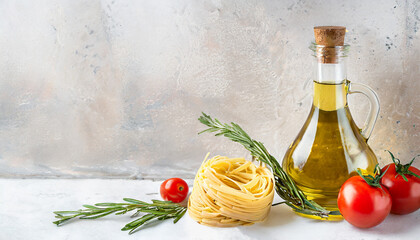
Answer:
(114, 88)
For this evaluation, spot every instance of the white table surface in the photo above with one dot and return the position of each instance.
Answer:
(26, 207)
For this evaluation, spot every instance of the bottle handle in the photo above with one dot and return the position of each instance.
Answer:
(367, 129)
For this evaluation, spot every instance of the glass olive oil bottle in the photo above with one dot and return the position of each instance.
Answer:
(330, 147)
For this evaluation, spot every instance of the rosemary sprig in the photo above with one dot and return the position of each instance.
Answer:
(155, 211)
(285, 186)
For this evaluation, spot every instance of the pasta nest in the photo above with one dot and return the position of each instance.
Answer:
(229, 192)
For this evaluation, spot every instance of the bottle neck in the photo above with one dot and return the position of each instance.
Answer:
(333, 73)
(330, 96)
(330, 80)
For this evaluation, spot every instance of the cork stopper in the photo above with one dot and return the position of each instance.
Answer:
(329, 37)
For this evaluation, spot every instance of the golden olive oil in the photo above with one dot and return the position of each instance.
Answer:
(329, 148)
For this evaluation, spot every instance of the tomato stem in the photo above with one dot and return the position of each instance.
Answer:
(403, 169)
(374, 180)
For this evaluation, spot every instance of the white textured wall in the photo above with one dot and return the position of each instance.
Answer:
(114, 88)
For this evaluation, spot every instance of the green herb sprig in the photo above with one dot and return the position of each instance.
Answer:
(155, 211)
(285, 186)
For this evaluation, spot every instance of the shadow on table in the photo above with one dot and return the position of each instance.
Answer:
(279, 215)
(397, 224)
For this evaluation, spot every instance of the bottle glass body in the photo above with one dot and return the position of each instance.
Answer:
(330, 147)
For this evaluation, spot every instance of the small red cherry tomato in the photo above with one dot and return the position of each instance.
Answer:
(174, 189)
(405, 193)
(363, 205)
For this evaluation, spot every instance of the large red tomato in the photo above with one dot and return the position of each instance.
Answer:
(405, 193)
(363, 205)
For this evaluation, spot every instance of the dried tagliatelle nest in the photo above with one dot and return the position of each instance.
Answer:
(229, 192)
